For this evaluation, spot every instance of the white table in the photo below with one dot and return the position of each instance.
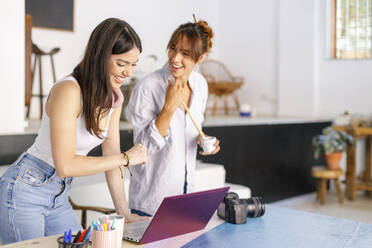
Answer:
(178, 241)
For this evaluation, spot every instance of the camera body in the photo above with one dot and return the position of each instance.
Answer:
(235, 210)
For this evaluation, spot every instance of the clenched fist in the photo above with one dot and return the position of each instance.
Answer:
(174, 96)
(137, 154)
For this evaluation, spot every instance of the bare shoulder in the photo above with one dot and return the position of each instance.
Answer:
(66, 87)
(64, 94)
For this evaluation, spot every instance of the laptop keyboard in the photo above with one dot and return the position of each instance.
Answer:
(137, 229)
(136, 232)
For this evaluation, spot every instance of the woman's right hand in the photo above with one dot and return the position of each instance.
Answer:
(174, 96)
(137, 154)
(135, 218)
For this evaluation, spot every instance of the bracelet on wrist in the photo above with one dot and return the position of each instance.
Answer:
(126, 158)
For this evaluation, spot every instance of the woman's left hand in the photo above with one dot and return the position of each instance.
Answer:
(216, 145)
(135, 218)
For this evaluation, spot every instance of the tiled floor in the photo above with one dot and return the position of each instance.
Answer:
(358, 210)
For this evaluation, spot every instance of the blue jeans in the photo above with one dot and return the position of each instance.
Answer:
(34, 201)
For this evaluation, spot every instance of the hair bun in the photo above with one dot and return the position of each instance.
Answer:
(207, 30)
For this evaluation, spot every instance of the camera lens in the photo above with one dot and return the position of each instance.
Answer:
(255, 207)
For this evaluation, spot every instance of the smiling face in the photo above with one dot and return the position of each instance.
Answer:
(122, 66)
(180, 60)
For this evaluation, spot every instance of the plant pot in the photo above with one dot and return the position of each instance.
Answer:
(333, 160)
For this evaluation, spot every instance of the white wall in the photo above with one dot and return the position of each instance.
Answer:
(277, 45)
(12, 66)
(247, 44)
(309, 83)
(296, 67)
(154, 21)
(343, 84)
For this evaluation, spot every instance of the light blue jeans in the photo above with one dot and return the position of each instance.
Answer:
(34, 201)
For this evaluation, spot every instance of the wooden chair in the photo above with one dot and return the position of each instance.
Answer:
(84, 210)
(221, 83)
(322, 174)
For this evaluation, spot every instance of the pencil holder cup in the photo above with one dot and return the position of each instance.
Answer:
(119, 227)
(72, 245)
(104, 239)
(208, 144)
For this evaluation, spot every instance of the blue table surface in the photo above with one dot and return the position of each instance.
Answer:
(281, 227)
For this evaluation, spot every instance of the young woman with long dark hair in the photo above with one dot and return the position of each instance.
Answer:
(82, 111)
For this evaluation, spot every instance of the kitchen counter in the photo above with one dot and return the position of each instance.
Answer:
(210, 121)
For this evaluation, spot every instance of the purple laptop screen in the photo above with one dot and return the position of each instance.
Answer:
(183, 214)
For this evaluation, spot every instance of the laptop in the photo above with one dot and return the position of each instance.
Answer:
(177, 215)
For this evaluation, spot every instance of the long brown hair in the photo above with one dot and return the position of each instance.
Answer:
(112, 36)
(199, 34)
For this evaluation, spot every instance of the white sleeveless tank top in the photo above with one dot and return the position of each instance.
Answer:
(85, 141)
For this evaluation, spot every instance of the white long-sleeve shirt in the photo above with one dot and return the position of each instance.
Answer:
(168, 158)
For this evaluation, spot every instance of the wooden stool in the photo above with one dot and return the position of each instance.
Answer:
(322, 174)
(38, 53)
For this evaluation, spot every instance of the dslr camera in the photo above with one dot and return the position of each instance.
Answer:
(235, 210)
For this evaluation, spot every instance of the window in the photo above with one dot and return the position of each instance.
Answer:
(350, 33)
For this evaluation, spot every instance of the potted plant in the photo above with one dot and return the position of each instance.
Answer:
(333, 143)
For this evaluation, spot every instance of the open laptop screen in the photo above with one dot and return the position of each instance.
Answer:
(183, 214)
